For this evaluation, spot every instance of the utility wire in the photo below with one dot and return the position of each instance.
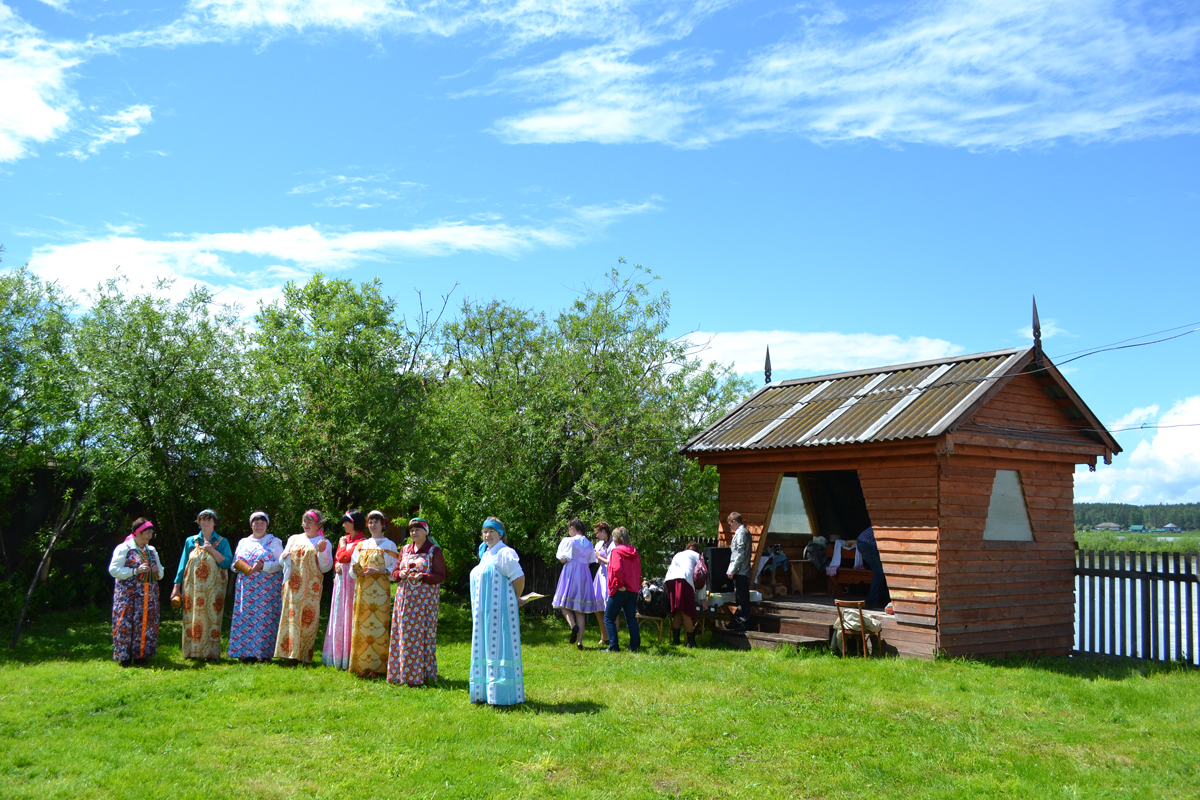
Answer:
(893, 394)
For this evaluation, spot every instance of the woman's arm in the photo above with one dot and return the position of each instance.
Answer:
(437, 568)
(116, 566)
(518, 585)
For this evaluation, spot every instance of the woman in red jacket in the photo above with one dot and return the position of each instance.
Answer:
(624, 584)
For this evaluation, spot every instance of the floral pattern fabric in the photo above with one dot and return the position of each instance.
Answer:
(300, 603)
(372, 602)
(135, 611)
(412, 657)
(203, 594)
(256, 606)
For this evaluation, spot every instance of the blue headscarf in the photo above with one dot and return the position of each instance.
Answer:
(495, 525)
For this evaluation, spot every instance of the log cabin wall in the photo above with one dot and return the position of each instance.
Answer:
(1005, 597)
(900, 486)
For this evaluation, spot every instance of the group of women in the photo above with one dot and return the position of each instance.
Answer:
(277, 596)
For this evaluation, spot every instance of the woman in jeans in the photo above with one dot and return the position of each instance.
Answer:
(624, 584)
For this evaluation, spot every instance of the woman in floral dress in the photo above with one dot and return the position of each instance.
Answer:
(256, 597)
(137, 569)
(412, 658)
(200, 583)
(305, 558)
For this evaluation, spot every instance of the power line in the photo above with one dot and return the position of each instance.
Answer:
(893, 395)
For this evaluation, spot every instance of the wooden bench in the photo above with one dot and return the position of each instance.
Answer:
(846, 576)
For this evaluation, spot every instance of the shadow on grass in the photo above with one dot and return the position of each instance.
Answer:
(538, 707)
(1090, 668)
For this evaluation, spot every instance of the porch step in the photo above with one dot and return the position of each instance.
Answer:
(755, 640)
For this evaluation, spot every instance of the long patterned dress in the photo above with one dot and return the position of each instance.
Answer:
(256, 600)
(301, 600)
(412, 657)
(496, 674)
(335, 652)
(135, 602)
(372, 604)
(203, 593)
(574, 589)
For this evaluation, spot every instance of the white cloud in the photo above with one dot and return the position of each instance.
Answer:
(1134, 417)
(112, 129)
(817, 352)
(356, 191)
(960, 73)
(1162, 469)
(35, 101)
(1050, 329)
(219, 260)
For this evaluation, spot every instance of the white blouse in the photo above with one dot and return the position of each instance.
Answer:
(683, 567)
(267, 542)
(324, 559)
(391, 553)
(117, 568)
(508, 563)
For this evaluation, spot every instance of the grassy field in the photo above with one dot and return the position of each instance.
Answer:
(663, 723)
(1183, 542)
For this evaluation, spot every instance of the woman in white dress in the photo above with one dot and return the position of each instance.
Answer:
(496, 676)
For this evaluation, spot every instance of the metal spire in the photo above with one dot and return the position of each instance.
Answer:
(767, 366)
(1037, 337)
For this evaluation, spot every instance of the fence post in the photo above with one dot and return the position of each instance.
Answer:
(1144, 587)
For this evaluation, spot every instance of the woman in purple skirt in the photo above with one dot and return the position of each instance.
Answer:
(575, 597)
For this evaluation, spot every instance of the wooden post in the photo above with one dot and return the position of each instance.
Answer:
(1155, 613)
(1191, 644)
(1144, 598)
(1097, 608)
(1178, 612)
(1124, 648)
(1111, 601)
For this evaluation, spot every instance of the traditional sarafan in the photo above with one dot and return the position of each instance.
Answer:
(201, 582)
(496, 676)
(256, 598)
(306, 557)
(335, 652)
(412, 657)
(137, 569)
(374, 559)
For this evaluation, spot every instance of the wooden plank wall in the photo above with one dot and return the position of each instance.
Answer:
(900, 485)
(902, 500)
(1005, 597)
(1023, 404)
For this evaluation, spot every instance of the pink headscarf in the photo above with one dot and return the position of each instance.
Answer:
(316, 517)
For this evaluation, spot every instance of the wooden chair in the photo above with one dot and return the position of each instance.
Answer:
(845, 607)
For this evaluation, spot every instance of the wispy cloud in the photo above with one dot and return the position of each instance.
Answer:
(112, 129)
(1050, 329)
(962, 73)
(1136, 416)
(252, 265)
(36, 99)
(356, 191)
(1162, 469)
(810, 352)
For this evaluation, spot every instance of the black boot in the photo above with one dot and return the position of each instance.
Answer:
(691, 639)
(674, 635)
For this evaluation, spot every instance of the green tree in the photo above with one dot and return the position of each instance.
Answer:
(583, 416)
(163, 407)
(340, 383)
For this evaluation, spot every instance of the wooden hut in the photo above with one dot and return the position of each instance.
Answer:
(964, 466)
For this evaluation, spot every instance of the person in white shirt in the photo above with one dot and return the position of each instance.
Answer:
(306, 557)
(683, 582)
(137, 569)
(256, 597)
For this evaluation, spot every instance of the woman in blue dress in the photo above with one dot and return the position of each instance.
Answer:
(496, 584)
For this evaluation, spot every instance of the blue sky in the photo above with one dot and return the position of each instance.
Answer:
(853, 184)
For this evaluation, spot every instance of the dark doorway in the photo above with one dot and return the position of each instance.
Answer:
(838, 506)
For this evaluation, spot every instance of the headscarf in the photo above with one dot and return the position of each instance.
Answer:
(495, 525)
(421, 522)
(140, 528)
(262, 514)
(317, 518)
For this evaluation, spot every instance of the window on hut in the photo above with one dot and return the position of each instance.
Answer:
(1008, 516)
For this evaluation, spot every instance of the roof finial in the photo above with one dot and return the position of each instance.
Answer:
(1037, 337)
(767, 366)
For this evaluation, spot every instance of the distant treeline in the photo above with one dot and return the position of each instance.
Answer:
(1185, 515)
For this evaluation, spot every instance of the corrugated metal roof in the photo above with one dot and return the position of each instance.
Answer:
(905, 401)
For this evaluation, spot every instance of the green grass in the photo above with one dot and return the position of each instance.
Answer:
(664, 723)
(1183, 542)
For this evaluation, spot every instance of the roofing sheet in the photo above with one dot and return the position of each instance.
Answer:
(901, 402)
